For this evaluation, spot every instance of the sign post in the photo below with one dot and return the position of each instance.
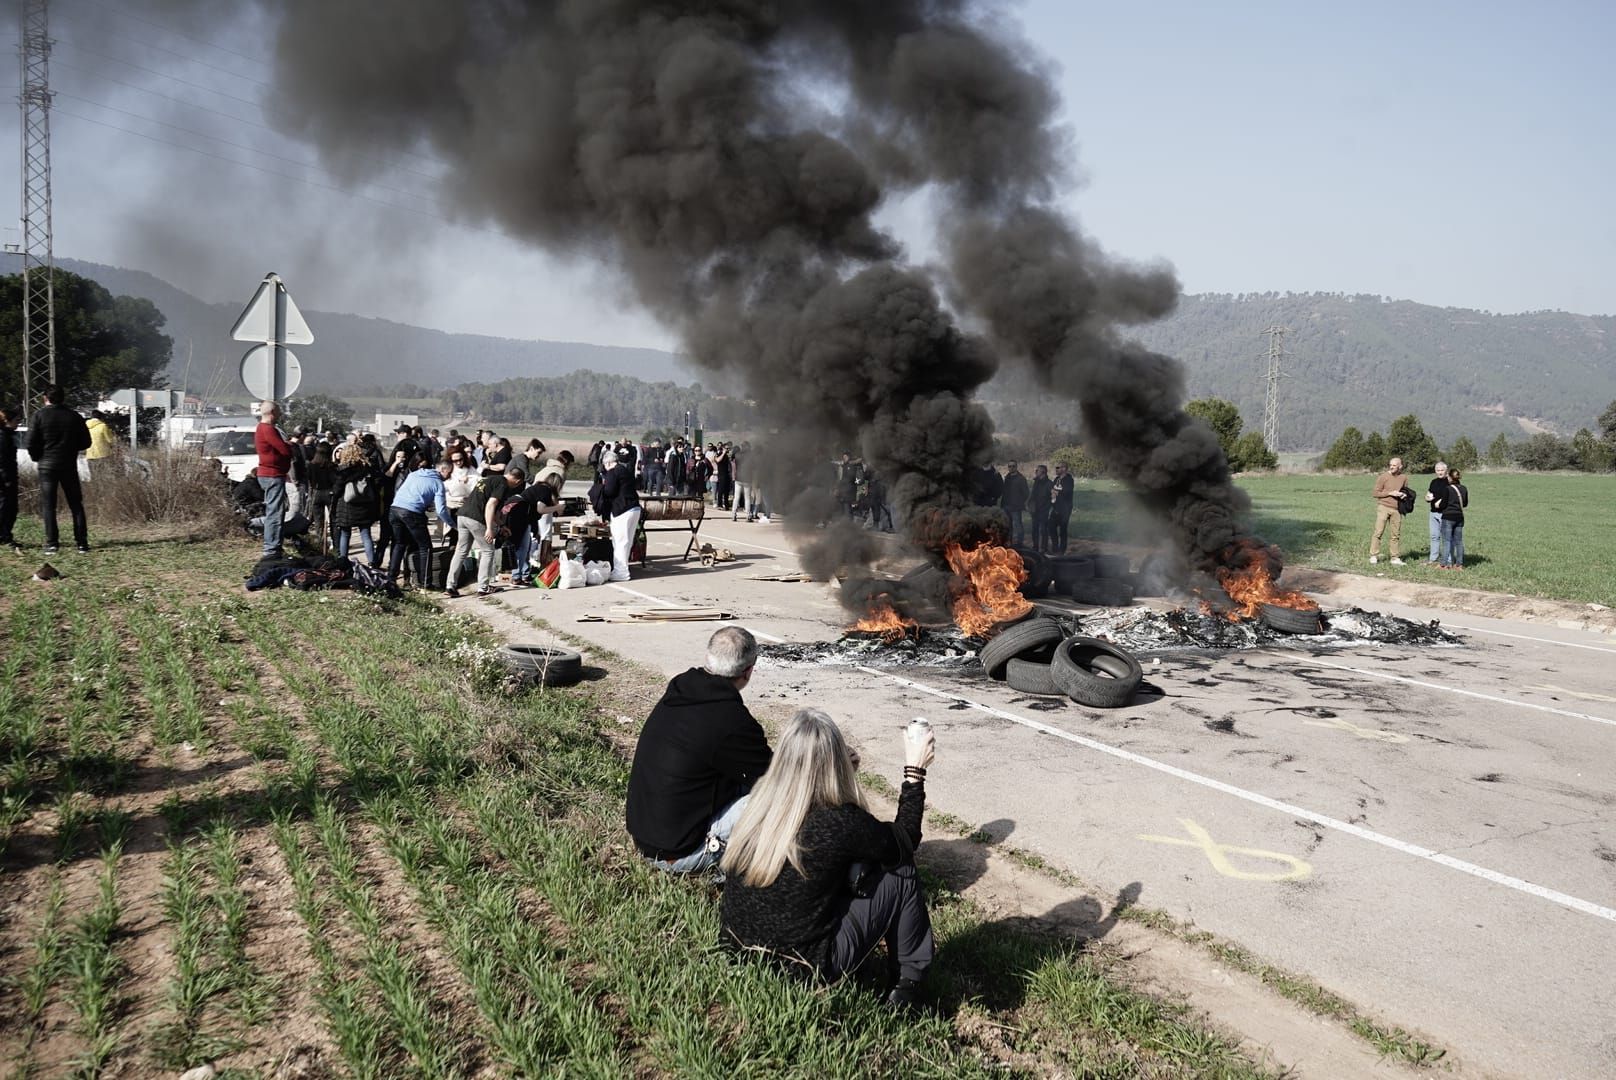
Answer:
(270, 371)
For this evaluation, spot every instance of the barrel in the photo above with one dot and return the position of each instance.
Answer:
(672, 509)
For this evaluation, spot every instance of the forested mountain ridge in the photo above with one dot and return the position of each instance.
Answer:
(1364, 361)
(1351, 359)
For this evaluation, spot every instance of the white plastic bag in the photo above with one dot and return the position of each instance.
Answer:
(597, 573)
(572, 573)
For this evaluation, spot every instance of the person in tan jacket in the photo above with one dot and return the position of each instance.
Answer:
(1388, 486)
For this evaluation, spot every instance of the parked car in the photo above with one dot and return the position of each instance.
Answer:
(233, 449)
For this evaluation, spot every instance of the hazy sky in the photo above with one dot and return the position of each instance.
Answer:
(1457, 154)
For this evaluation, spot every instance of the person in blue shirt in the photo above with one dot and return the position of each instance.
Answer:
(418, 492)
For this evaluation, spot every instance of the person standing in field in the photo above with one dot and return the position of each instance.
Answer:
(56, 437)
(1013, 500)
(1388, 512)
(1062, 489)
(1435, 495)
(99, 455)
(8, 478)
(1452, 511)
(1039, 499)
(274, 466)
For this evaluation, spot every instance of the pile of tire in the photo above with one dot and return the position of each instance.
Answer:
(1037, 656)
(544, 665)
(1040, 573)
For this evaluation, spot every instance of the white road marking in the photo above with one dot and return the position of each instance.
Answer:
(1450, 689)
(1519, 885)
(669, 603)
(1528, 637)
(1583, 694)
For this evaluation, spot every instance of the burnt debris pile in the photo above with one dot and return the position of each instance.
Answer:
(1138, 630)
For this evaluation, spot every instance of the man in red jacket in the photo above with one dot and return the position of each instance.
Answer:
(274, 464)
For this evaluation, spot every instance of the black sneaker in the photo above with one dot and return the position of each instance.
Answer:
(84, 549)
(453, 594)
(50, 549)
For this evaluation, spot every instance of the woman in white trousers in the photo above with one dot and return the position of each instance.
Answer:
(621, 503)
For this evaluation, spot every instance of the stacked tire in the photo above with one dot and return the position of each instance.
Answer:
(1037, 656)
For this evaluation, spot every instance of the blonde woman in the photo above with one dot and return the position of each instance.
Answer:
(813, 878)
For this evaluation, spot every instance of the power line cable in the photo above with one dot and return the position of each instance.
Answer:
(227, 142)
(390, 162)
(187, 57)
(160, 74)
(179, 33)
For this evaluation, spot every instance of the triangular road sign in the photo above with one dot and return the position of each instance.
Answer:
(257, 320)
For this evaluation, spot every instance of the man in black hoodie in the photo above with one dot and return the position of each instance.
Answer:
(56, 437)
(699, 754)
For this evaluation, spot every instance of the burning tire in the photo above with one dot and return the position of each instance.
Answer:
(1112, 566)
(1019, 640)
(1292, 620)
(1032, 677)
(1096, 673)
(1101, 592)
(550, 667)
(1067, 569)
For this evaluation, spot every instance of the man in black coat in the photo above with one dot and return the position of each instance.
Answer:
(1039, 499)
(56, 437)
(699, 754)
(1013, 500)
(8, 477)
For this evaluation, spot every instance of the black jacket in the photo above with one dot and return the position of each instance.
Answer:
(699, 751)
(56, 437)
(361, 515)
(1042, 492)
(1014, 496)
(8, 457)
(796, 916)
(617, 494)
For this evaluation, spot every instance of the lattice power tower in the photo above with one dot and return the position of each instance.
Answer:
(38, 260)
(1276, 357)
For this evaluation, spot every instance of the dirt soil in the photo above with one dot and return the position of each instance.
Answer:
(1359, 588)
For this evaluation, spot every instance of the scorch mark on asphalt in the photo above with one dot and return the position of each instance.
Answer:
(1493, 876)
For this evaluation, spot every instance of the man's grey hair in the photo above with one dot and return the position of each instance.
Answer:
(731, 651)
(608, 460)
(1442, 466)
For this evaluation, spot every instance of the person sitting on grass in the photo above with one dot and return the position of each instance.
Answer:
(699, 754)
(813, 879)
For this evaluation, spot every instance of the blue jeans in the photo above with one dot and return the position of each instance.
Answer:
(705, 856)
(1453, 542)
(1014, 517)
(340, 536)
(274, 511)
(1436, 538)
(521, 553)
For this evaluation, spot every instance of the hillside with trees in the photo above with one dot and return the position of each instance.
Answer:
(614, 403)
(1364, 361)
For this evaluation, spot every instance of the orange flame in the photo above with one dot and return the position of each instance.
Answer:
(1252, 587)
(884, 620)
(995, 575)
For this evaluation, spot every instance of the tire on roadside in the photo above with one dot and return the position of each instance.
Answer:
(1087, 670)
(1101, 592)
(1032, 677)
(1069, 568)
(1292, 620)
(1022, 638)
(545, 665)
(1112, 566)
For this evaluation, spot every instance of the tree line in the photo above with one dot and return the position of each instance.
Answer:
(594, 399)
(1543, 451)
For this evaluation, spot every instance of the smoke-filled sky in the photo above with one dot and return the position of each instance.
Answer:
(1454, 154)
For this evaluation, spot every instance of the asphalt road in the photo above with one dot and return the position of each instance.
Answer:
(1430, 832)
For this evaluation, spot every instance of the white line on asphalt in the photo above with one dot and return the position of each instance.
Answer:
(748, 543)
(1451, 689)
(669, 603)
(1563, 899)
(1528, 637)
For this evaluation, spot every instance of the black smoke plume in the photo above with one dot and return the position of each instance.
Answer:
(731, 156)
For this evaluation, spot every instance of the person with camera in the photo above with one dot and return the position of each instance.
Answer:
(813, 879)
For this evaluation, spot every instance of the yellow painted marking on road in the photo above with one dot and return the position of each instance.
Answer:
(1573, 693)
(1374, 734)
(1218, 855)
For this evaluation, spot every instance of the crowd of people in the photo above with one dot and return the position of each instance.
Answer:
(1446, 498)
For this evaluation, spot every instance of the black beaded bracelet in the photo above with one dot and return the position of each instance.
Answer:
(913, 772)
